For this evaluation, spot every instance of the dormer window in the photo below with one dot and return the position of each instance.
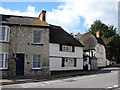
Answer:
(4, 33)
(66, 48)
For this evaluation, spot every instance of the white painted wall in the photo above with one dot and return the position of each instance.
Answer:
(101, 55)
(56, 55)
(55, 65)
(54, 51)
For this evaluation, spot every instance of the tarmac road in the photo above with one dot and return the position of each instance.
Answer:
(106, 78)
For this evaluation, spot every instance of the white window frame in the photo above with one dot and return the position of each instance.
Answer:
(7, 32)
(69, 62)
(4, 61)
(35, 68)
(67, 48)
(40, 37)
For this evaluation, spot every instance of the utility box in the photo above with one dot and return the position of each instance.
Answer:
(94, 65)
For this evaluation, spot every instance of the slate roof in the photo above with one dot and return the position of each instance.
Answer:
(59, 35)
(89, 40)
(21, 20)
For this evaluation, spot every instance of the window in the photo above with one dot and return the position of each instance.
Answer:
(66, 48)
(69, 62)
(3, 60)
(4, 34)
(37, 37)
(36, 62)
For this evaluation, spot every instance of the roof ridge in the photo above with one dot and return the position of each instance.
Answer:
(19, 16)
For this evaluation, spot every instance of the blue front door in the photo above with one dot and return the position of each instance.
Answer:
(20, 64)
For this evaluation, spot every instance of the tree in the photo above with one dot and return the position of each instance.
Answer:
(109, 35)
(114, 49)
(105, 30)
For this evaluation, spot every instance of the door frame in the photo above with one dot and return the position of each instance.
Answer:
(23, 60)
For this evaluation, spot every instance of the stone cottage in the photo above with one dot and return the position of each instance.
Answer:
(25, 45)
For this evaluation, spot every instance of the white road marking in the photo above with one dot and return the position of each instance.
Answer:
(110, 87)
(115, 86)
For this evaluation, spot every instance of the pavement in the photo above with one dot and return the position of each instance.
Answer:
(54, 76)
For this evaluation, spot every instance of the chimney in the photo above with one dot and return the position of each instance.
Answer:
(42, 15)
(98, 34)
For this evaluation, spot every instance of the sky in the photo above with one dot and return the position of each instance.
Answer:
(74, 16)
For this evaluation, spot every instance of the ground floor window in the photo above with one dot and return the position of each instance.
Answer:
(69, 62)
(3, 60)
(36, 64)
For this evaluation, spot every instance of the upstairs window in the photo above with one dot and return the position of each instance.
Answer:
(4, 34)
(66, 48)
(37, 37)
(3, 60)
(36, 62)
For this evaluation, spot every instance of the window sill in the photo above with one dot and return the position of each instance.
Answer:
(69, 51)
(34, 69)
(4, 42)
(37, 44)
(3, 69)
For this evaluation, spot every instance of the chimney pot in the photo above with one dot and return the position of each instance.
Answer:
(42, 15)
(98, 34)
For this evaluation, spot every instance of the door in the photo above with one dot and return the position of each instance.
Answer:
(20, 64)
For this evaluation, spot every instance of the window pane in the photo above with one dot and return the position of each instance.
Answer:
(1, 60)
(36, 61)
(38, 64)
(2, 33)
(1, 64)
(1, 56)
(34, 64)
(7, 34)
(66, 48)
(6, 61)
(69, 62)
(6, 64)
(37, 36)
(6, 57)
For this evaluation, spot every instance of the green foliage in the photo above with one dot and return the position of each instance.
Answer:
(105, 30)
(114, 49)
(109, 34)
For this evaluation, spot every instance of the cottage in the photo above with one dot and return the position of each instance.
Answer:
(32, 47)
(66, 53)
(25, 45)
(94, 50)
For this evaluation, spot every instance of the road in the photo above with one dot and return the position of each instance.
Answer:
(106, 78)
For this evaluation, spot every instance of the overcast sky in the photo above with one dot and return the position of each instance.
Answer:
(73, 15)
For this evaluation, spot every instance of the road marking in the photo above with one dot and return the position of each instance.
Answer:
(110, 87)
(115, 86)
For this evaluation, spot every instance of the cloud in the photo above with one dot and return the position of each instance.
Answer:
(29, 12)
(68, 15)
